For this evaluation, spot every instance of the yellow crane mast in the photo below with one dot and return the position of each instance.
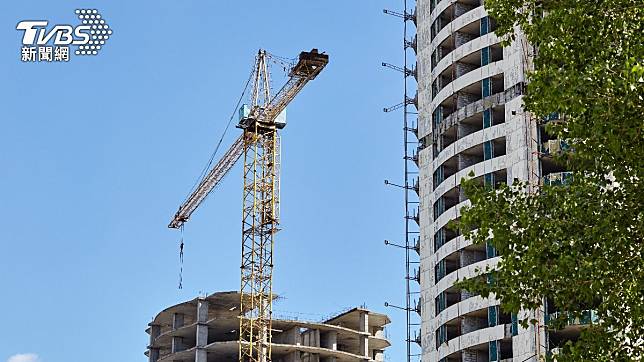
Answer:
(260, 145)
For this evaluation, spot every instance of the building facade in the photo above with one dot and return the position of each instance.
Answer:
(470, 120)
(206, 330)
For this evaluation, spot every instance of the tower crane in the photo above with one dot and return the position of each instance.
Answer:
(260, 146)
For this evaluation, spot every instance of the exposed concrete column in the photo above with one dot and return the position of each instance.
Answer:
(311, 338)
(201, 355)
(177, 321)
(293, 357)
(364, 322)
(311, 357)
(177, 342)
(294, 337)
(290, 336)
(154, 354)
(364, 339)
(332, 341)
(528, 344)
(202, 331)
(155, 331)
(461, 194)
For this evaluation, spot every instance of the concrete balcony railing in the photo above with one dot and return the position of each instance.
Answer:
(472, 339)
(587, 317)
(474, 108)
(463, 51)
(454, 26)
(553, 117)
(553, 147)
(473, 139)
(557, 179)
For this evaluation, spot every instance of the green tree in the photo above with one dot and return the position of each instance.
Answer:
(580, 244)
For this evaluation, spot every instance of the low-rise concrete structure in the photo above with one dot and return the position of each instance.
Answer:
(206, 329)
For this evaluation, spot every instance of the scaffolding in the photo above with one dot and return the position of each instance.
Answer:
(411, 148)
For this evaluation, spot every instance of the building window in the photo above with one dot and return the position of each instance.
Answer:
(493, 316)
(485, 56)
(488, 150)
(486, 88)
(485, 25)
(494, 351)
(439, 239)
(440, 270)
(441, 303)
(487, 118)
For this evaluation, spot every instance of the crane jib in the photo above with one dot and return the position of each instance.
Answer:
(208, 183)
(309, 65)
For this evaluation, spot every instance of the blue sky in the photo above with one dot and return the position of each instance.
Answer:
(96, 155)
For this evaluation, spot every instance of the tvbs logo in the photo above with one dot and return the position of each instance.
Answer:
(40, 44)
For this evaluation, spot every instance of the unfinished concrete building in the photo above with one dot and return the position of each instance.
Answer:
(207, 330)
(469, 119)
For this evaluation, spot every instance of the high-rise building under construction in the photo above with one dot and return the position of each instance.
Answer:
(465, 117)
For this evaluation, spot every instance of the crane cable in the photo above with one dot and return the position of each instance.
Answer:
(207, 167)
(181, 260)
(214, 153)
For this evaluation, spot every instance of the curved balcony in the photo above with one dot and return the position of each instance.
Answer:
(469, 271)
(466, 51)
(451, 246)
(474, 339)
(469, 305)
(461, 258)
(462, 33)
(446, 132)
(478, 136)
(454, 174)
(448, 11)
(469, 88)
(494, 165)
(571, 328)
(463, 23)
(468, 141)
(438, 8)
(450, 214)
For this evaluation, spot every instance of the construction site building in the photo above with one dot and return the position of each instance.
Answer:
(467, 117)
(206, 329)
